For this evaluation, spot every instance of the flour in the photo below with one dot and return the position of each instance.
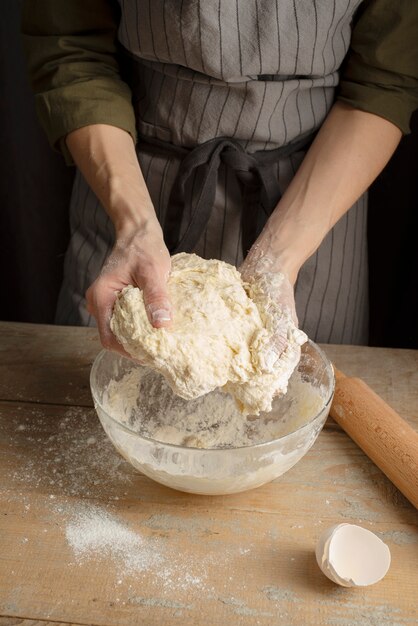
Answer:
(93, 531)
(71, 453)
(144, 401)
(140, 553)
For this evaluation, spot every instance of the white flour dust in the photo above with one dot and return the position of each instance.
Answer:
(93, 531)
(151, 550)
(70, 455)
(143, 400)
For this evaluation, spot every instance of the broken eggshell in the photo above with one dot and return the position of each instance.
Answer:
(352, 556)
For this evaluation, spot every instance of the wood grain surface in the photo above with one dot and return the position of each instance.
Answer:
(19, 621)
(243, 559)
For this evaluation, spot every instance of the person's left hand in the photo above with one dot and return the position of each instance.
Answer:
(268, 279)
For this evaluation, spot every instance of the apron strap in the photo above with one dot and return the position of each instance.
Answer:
(197, 177)
(199, 168)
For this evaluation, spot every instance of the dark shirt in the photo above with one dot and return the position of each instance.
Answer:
(73, 66)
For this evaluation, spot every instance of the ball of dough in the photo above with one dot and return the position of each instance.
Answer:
(217, 338)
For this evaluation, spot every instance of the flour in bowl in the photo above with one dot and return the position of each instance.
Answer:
(145, 403)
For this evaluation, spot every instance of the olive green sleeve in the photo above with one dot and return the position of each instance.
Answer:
(380, 72)
(72, 60)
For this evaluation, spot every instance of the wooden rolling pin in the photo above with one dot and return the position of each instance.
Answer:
(386, 438)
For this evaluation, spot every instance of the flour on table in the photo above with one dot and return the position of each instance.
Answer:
(219, 338)
(144, 401)
(93, 530)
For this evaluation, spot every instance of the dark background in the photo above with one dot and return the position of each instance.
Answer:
(35, 189)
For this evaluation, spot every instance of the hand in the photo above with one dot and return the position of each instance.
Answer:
(273, 292)
(107, 159)
(139, 258)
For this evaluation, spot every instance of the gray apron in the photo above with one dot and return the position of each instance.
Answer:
(219, 78)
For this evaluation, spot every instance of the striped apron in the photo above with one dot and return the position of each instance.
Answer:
(222, 87)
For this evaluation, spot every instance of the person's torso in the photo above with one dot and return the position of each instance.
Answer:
(263, 72)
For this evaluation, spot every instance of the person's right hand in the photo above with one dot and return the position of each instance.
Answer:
(140, 258)
(107, 158)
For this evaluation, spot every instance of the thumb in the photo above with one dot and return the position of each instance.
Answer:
(157, 302)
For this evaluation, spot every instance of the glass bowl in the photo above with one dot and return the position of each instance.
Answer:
(217, 471)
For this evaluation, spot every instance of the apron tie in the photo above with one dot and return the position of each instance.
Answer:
(197, 177)
(199, 169)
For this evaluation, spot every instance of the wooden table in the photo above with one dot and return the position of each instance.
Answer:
(243, 559)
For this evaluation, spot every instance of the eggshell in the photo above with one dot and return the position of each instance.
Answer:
(321, 551)
(352, 556)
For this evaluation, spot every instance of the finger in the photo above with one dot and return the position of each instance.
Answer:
(157, 301)
(100, 301)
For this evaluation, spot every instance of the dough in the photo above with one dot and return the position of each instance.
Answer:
(219, 336)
